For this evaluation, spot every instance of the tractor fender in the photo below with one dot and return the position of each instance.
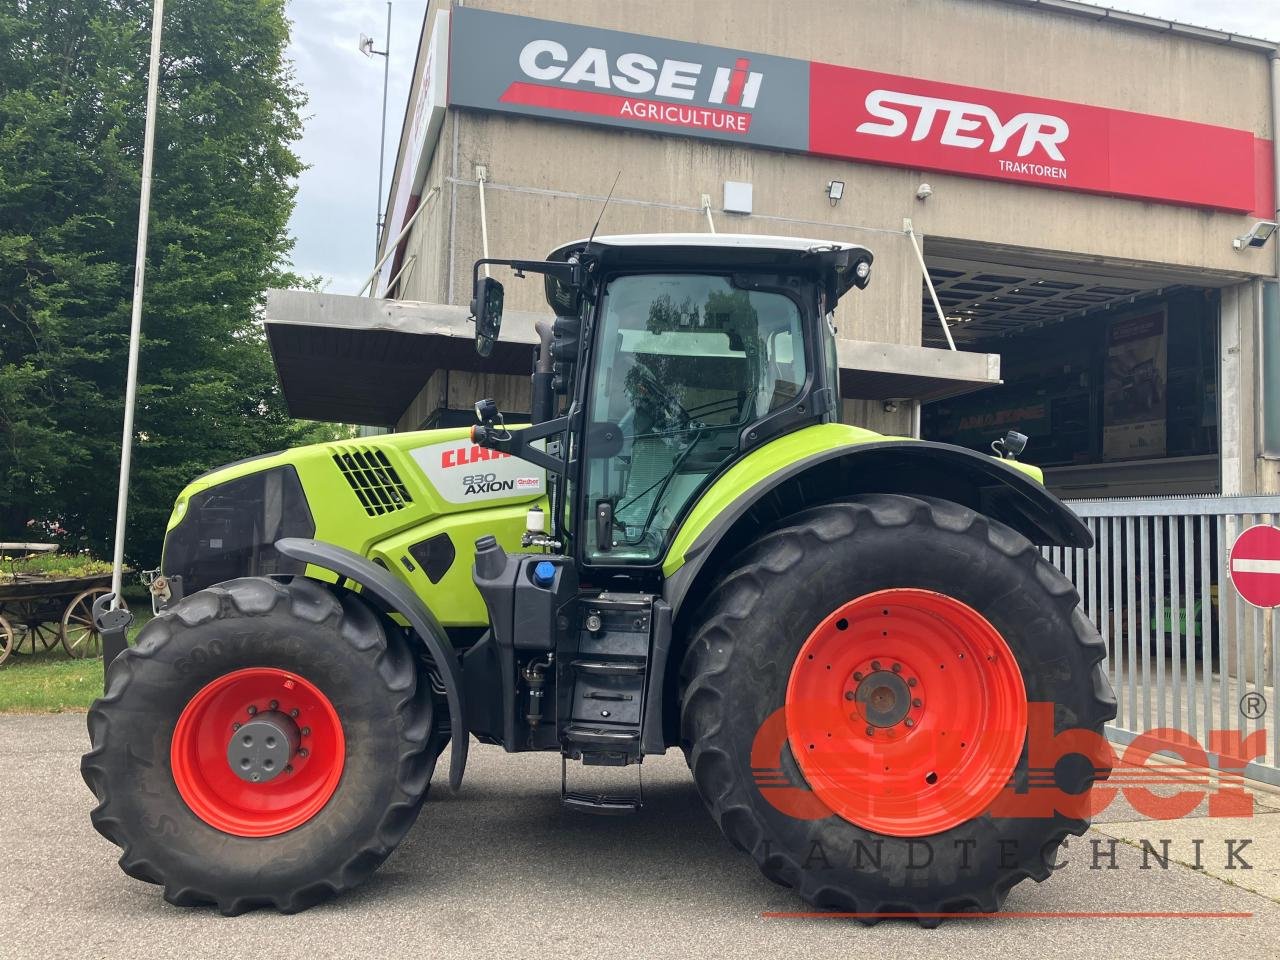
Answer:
(401, 599)
(909, 467)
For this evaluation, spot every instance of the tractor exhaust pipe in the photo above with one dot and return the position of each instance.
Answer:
(540, 407)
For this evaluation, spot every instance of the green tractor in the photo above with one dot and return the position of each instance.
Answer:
(848, 635)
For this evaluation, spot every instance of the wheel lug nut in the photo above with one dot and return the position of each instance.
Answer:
(294, 713)
(911, 681)
(875, 664)
(288, 768)
(252, 711)
(917, 702)
(897, 668)
(871, 731)
(306, 731)
(857, 674)
(303, 752)
(909, 722)
(848, 694)
(273, 704)
(236, 725)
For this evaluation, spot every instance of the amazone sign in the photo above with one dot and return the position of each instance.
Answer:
(541, 68)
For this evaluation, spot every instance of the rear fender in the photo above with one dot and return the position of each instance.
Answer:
(399, 598)
(909, 467)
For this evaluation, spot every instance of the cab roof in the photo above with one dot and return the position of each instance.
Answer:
(833, 260)
(708, 241)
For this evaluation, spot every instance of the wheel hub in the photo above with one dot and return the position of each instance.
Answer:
(260, 750)
(884, 698)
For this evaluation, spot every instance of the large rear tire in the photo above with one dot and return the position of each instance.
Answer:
(798, 620)
(342, 689)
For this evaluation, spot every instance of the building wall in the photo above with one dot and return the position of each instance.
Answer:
(983, 43)
(546, 179)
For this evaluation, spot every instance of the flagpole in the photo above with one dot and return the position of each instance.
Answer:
(135, 325)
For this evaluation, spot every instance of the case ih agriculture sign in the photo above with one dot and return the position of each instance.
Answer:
(541, 68)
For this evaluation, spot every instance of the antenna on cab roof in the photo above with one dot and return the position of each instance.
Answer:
(604, 207)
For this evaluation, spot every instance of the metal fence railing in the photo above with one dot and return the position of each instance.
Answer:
(1185, 651)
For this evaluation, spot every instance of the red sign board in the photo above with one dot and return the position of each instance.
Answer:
(567, 71)
(1255, 565)
(882, 118)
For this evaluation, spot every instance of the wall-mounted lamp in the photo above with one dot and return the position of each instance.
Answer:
(1257, 236)
(924, 192)
(835, 190)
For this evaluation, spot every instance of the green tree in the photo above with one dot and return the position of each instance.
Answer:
(72, 94)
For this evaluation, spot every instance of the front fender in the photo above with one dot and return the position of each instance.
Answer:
(844, 461)
(399, 597)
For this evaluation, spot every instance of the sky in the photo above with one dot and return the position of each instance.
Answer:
(334, 222)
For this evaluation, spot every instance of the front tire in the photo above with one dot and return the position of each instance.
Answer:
(802, 608)
(342, 689)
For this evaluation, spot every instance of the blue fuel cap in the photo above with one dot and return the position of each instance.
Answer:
(544, 572)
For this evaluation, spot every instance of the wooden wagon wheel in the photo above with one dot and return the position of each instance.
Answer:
(6, 639)
(80, 636)
(36, 630)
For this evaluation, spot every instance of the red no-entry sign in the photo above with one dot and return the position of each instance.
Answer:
(1255, 565)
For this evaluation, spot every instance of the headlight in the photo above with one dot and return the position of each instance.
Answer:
(229, 530)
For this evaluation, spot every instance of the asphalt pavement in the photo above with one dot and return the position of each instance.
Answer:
(500, 870)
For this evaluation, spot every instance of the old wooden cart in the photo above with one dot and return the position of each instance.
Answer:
(39, 612)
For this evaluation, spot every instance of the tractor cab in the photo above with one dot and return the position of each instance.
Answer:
(671, 356)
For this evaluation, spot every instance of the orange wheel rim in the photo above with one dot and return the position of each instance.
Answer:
(199, 753)
(906, 712)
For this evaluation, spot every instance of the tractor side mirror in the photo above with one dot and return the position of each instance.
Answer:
(486, 311)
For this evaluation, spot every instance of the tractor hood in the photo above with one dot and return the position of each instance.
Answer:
(357, 494)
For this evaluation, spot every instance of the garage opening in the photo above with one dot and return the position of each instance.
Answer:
(1111, 371)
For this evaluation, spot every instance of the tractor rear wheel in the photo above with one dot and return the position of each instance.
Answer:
(855, 704)
(264, 744)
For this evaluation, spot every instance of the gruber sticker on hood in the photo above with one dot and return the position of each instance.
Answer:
(463, 472)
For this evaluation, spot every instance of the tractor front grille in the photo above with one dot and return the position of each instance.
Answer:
(373, 479)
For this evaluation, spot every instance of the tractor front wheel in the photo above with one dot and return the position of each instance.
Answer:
(855, 708)
(266, 743)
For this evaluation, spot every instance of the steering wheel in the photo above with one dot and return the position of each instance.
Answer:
(656, 390)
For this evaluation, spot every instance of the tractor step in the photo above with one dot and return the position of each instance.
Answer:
(601, 803)
(610, 668)
(600, 736)
(604, 681)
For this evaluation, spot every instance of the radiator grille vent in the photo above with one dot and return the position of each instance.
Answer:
(374, 480)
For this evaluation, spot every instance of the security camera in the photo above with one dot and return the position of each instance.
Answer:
(924, 192)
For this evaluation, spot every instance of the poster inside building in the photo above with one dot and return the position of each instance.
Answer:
(1134, 388)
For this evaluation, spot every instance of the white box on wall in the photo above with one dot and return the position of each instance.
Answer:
(737, 197)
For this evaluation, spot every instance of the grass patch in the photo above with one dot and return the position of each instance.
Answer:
(51, 682)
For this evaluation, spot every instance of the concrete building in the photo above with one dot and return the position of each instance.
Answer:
(1077, 181)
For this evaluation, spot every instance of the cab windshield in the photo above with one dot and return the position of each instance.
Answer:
(685, 361)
